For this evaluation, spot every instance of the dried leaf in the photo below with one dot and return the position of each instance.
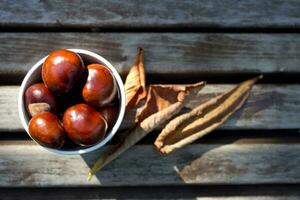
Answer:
(167, 106)
(135, 84)
(162, 96)
(193, 125)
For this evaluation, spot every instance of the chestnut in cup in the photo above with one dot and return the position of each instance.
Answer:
(84, 125)
(39, 93)
(100, 88)
(46, 128)
(61, 71)
(110, 114)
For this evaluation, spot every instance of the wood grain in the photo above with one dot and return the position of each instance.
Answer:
(237, 162)
(10, 121)
(268, 107)
(132, 14)
(172, 57)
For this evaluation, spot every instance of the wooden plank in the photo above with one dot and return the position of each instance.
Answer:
(268, 107)
(151, 14)
(10, 121)
(238, 162)
(172, 57)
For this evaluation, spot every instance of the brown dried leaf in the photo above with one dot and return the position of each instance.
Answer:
(193, 125)
(168, 105)
(162, 96)
(135, 84)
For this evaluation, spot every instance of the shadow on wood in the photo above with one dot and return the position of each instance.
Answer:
(162, 169)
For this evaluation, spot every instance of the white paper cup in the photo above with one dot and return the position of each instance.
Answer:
(34, 76)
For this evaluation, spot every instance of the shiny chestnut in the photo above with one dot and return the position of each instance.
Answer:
(100, 88)
(39, 93)
(61, 70)
(110, 114)
(46, 128)
(84, 125)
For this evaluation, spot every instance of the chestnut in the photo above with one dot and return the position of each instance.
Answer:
(46, 128)
(110, 114)
(84, 125)
(61, 70)
(100, 88)
(36, 94)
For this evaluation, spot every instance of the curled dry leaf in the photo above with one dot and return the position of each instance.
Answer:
(162, 96)
(36, 108)
(135, 84)
(163, 102)
(193, 125)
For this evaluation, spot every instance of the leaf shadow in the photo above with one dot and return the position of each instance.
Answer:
(143, 165)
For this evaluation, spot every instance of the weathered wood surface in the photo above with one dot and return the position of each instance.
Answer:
(237, 162)
(131, 14)
(268, 107)
(168, 56)
(9, 115)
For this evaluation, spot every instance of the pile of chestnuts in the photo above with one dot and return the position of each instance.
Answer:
(73, 103)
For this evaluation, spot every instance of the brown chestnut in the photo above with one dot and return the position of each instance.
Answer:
(39, 93)
(100, 88)
(110, 114)
(46, 128)
(62, 70)
(84, 125)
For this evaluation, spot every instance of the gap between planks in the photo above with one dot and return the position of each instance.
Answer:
(187, 192)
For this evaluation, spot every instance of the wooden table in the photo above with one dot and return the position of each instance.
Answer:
(256, 154)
